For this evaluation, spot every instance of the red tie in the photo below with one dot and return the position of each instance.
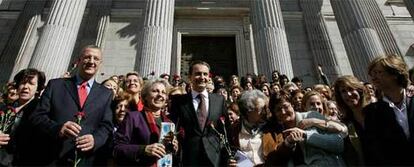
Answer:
(83, 93)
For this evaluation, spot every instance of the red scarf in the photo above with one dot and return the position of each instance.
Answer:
(140, 105)
(154, 129)
(152, 124)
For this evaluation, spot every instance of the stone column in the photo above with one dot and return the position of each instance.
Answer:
(361, 40)
(410, 7)
(98, 20)
(14, 56)
(105, 17)
(272, 50)
(319, 40)
(53, 52)
(157, 37)
(381, 26)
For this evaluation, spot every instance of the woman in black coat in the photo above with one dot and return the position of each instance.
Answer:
(18, 141)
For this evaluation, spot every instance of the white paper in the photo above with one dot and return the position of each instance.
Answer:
(243, 160)
(166, 127)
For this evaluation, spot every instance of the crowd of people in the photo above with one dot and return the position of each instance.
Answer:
(76, 121)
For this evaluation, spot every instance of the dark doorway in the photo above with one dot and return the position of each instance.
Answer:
(219, 52)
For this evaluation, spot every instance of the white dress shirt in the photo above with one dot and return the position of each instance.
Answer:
(196, 101)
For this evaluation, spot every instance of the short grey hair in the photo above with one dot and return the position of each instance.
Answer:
(248, 99)
(149, 84)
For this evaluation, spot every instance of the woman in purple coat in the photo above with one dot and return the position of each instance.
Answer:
(136, 140)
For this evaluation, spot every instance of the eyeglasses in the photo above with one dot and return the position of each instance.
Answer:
(90, 58)
(132, 81)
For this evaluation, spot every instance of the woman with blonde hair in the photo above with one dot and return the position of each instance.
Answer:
(350, 95)
(133, 85)
(137, 139)
(313, 101)
(324, 90)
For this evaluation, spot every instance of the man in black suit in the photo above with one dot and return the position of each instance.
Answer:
(62, 99)
(389, 122)
(194, 113)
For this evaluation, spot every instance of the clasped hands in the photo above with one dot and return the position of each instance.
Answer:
(293, 136)
(71, 130)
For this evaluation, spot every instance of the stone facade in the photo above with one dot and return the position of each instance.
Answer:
(145, 35)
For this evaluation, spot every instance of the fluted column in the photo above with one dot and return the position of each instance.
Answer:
(98, 20)
(272, 50)
(53, 52)
(410, 7)
(361, 40)
(14, 56)
(104, 19)
(319, 40)
(157, 37)
(381, 26)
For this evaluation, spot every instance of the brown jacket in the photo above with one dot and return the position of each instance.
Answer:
(274, 151)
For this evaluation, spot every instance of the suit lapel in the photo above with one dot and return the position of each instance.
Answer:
(94, 93)
(189, 108)
(211, 108)
(410, 117)
(70, 85)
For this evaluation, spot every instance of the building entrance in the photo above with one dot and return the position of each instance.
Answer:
(219, 52)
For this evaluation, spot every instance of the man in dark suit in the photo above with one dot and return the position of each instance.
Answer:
(389, 122)
(65, 97)
(194, 113)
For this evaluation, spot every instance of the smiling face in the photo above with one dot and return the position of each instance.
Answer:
(333, 111)
(199, 77)
(90, 61)
(234, 81)
(314, 103)
(110, 84)
(350, 96)
(12, 94)
(371, 89)
(275, 76)
(157, 97)
(297, 100)
(27, 90)
(285, 113)
(133, 84)
(121, 109)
